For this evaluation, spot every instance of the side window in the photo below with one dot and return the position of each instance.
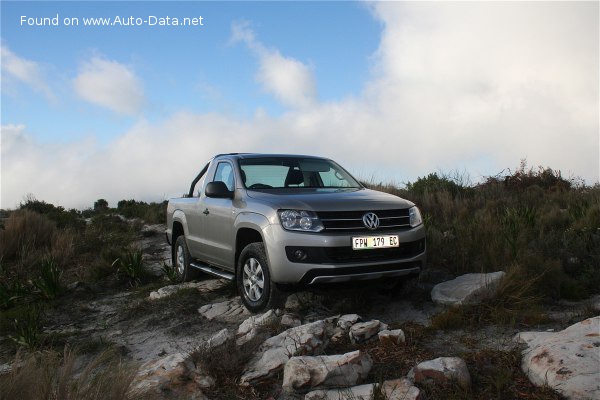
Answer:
(224, 174)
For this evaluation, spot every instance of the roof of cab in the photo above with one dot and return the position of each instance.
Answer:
(261, 155)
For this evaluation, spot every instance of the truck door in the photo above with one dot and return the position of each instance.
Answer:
(218, 217)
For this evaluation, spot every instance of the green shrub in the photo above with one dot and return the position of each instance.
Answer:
(131, 266)
(49, 281)
(170, 272)
(27, 327)
(433, 183)
(153, 213)
(62, 217)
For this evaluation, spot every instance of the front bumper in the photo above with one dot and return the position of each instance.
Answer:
(331, 256)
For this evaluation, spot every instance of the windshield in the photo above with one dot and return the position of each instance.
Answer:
(291, 172)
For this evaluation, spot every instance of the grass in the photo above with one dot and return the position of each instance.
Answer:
(130, 265)
(27, 327)
(516, 303)
(532, 217)
(52, 375)
(49, 281)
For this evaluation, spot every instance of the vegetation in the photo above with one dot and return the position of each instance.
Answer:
(542, 229)
(537, 223)
(51, 375)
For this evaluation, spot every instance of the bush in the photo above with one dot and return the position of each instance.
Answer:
(25, 231)
(533, 218)
(49, 280)
(131, 266)
(62, 218)
(27, 326)
(433, 183)
(51, 375)
(153, 213)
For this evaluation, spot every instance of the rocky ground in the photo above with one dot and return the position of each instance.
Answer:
(320, 342)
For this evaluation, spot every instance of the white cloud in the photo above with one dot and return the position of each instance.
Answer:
(464, 86)
(110, 84)
(288, 79)
(26, 71)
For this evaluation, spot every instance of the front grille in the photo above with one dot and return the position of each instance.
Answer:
(345, 254)
(351, 221)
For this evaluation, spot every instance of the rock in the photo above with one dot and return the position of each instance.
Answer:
(219, 338)
(290, 320)
(442, 369)
(5, 369)
(301, 374)
(302, 301)
(363, 331)
(347, 320)
(251, 327)
(176, 373)
(337, 335)
(230, 310)
(567, 361)
(203, 286)
(466, 289)
(79, 287)
(274, 353)
(393, 337)
(397, 389)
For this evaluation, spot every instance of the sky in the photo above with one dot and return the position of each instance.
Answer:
(391, 90)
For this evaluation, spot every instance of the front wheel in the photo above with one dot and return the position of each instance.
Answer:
(254, 280)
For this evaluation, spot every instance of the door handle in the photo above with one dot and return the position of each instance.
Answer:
(206, 212)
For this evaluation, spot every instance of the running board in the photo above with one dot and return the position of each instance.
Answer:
(209, 270)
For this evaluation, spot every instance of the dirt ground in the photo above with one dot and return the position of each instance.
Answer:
(91, 317)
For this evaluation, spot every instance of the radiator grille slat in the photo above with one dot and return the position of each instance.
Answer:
(344, 221)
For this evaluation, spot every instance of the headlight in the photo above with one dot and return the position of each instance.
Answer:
(415, 217)
(300, 220)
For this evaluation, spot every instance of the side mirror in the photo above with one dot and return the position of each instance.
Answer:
(218, 189)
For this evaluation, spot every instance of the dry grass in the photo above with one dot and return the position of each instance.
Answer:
(25, 231)
(50, 375)
(516, 303)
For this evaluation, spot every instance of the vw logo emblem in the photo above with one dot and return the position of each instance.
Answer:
(371, 221)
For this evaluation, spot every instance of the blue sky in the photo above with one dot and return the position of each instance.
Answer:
(391, 90)
(185, 67)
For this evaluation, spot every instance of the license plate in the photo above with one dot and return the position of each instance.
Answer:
(375, 242)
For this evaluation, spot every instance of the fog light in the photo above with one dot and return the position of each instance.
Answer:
(300, 255)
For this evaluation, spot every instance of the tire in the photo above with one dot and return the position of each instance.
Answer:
(181, 261)
(253, 280)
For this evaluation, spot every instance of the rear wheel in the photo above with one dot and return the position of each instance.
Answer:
(181, 261)
(253, 280)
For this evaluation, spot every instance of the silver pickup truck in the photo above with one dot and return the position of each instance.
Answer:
(275, 222)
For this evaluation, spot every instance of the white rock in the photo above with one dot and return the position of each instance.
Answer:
(289, 320)
(567, 361)
(274, 353)
(347, 320)
(301, 374)
(228, 311)
(252, 325)
(363, 331)
(394, 337)
(172, 372)
(397, 389)
(202, 286)
(5, 369)
(466, 289)
(219, 338)
(442, 369)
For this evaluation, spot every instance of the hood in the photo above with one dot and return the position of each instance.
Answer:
(330, 199)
